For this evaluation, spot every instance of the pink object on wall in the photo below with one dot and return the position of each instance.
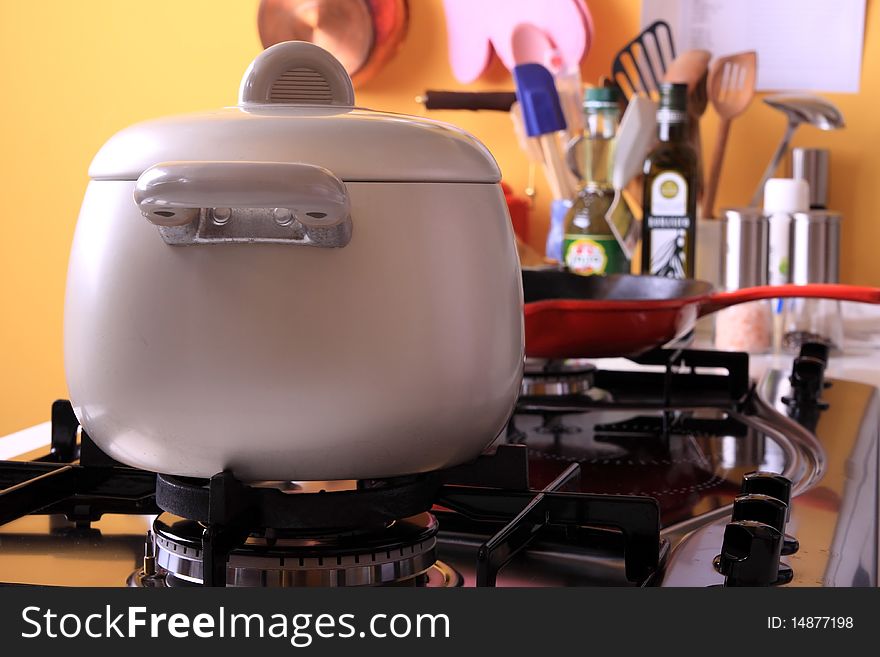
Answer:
(477, 27)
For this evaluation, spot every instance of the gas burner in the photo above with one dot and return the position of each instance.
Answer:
(400, 553)
(311, 506)
(551, 378)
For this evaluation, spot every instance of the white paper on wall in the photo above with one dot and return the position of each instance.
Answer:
(803, 45)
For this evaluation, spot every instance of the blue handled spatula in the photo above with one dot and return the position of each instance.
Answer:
(544, 119)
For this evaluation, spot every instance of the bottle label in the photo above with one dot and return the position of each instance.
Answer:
(668, 223)
(594, 254)
(779, 273)
(669, 196)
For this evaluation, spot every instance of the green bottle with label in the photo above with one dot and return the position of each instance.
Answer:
(589, 246)
(669, 227)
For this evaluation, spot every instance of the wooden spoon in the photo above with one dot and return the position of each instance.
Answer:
(692, 68)
(688, 68)
(731, 89)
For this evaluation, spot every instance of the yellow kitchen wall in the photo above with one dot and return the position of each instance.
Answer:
(73, 73)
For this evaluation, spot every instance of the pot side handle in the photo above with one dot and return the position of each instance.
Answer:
(261, 201)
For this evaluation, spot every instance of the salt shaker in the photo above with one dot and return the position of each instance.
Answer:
(747, 326)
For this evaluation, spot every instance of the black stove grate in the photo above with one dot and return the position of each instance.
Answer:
(514, 517)
(689, 378)
(75, 479)
(525, 514)
(491, 491)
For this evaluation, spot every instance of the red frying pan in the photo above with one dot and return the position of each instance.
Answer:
(570, 316)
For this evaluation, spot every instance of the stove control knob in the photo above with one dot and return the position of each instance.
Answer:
(750, 555)
(761, 508)
(767, 483)
(817, 350)
(768, 510)
(807, 376)
(807, 382)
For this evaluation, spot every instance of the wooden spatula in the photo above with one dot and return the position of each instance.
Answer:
(688, 68)
(731, 89)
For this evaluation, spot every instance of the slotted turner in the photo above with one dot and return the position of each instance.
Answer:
(641, 63)
(731, 89)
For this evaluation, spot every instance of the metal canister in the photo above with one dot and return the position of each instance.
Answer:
(815, 247)
(745, 254)
(745, 237)
(812, 165)
(815, 258)
(832, 255)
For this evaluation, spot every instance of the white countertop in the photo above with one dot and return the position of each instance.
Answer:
(859, 362)
(25, 440)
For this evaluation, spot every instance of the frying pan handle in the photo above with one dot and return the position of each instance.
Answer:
(856, 293)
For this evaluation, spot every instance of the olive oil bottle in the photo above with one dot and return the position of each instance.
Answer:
(669, 228)
(589, 246)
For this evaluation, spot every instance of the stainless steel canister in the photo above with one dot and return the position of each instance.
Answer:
(745, 237)
(812, 165)
(815, 258)
(815, 247)
(745, 254)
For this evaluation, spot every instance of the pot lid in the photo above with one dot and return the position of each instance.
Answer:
(296, 104)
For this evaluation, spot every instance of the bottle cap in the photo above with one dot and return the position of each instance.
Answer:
(673, 96)
(601, 96)
(786, 195)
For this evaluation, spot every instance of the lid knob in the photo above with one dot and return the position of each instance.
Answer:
(296, 72)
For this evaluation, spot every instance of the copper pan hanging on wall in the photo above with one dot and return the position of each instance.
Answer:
(362, 34)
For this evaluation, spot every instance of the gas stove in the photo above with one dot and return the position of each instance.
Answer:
(680, 472)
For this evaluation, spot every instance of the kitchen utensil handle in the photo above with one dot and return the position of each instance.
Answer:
(774, 162)
(174, 193)
(571, 95)
(571, 157)
(557, 175)
(529, 145)
(715, 169)
(500, 101)
(833, 291)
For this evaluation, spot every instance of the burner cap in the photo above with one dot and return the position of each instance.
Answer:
(544, 378)
(391, 554)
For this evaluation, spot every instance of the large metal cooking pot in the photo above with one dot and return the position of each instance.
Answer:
(293, 288)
